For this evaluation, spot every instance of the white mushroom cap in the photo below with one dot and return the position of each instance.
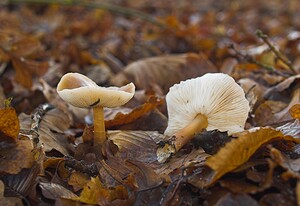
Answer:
(214, 95)
(80, 91)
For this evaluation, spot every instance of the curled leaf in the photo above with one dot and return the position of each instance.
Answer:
(121, 119)
(239, 150)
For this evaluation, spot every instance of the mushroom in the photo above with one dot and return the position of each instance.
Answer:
(80, 91)
(212, 101)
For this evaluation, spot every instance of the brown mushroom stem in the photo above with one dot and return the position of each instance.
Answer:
(99, 127)
(187, 133)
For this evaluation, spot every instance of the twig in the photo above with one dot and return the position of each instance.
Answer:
(278, 54)
(246, 57)
(36, 118)
(97, 5)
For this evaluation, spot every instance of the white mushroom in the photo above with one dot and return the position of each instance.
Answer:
(80, 91)
(212, 101)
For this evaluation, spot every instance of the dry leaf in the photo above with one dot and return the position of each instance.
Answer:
(78, 180)
(164, 71)
(14, 159)
(26, 46)
(121, 119)
(295, 111)
(239, 150)
(55, 191)
(23, 73)
(8, 201)
(9, 125)
(137, 145)
(53, 123)
(95, 193)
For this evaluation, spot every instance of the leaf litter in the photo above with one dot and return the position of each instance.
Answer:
(46, 150)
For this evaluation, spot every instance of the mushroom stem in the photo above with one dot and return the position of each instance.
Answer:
(99, 127)
(187, 133)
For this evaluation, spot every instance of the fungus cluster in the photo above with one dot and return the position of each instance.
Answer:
(212, 101)
(80, 91)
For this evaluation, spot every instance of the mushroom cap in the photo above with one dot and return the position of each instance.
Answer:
(80, 91)
(215, 95)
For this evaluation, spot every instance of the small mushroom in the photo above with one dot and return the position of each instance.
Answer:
(80, 91)
(212, 101)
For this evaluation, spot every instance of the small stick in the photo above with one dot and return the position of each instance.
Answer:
(249, 59)
(278, 54)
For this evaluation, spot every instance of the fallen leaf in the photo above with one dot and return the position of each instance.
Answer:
(121, 119)
(9, 201)
(23, 73)
(78, 180)
(9, 125)
(14, 159)
(295, 111)
(94, 192)
(292, 166)
(136, 145)
(55, 191)
(164, 71)
(26, 46)
(239, 150)
(51, 129)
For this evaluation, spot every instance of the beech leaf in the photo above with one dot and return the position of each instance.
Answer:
(121, 119)
(14, 159)
(9, 124)
(239, 150)
(95, 193)
(164, 71)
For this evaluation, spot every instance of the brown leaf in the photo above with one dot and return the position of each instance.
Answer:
(164, 71)
(8, 201)
(14, 159)
(55, 191)
(239, 150)
(295, 111)
(291, 165)
(23, 73)
(136, 145)
(26, 46)
(52, 125)
(136, 113)
(94, 192)
(9, 125)
(78, 181)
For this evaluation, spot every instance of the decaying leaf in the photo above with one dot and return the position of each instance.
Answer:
(52, 125)
(95, 192)
(164, 71)
(15, 158)
(121, 119)
(9, 125)
(239, 150)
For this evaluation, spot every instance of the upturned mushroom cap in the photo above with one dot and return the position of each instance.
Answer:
(214, 95)
(80, 91)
